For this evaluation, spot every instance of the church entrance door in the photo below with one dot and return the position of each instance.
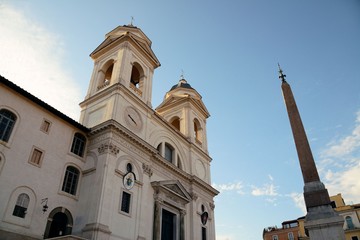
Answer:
(168, 225)
(58, 225)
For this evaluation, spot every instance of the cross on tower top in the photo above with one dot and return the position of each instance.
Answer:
(132, 20)
(281, 75)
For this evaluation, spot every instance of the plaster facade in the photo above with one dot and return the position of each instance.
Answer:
(126, 171)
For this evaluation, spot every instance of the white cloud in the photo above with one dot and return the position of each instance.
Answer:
(345, 182)
(340, 165)
(224, 237)
(346, 145)
(265, 190)
(298, 199)
(32, 57)
(238, 187)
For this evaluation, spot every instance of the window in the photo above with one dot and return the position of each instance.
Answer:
(354, 238)
(36, 156)
(135, 76)
(71, 180)
(125, 202)
(169, 152)
(290, 236)
(45, 126)
(275, 237)
(7, 122)
(108, 74)
(105, 75)
(349, 222)
(21, 206)
(78, 144)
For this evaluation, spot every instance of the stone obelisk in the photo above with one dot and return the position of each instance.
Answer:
(321, 221)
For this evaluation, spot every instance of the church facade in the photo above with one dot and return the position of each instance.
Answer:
(124, 171)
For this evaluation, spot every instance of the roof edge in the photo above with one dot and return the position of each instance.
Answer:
(42, 104)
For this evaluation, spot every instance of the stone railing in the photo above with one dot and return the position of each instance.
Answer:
(137, 91)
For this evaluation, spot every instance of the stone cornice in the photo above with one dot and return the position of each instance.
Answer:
(153, 152)
(183, 101)
(204, 185)
(114, 125)
(117, 88)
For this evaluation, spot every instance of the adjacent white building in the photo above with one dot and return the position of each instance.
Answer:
(125, 171)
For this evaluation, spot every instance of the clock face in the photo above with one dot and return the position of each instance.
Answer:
(132, 118)
(129, 180)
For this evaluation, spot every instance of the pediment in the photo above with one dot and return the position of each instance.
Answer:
(172, 101)
(138, 38)
(172, 188)
(105, 43)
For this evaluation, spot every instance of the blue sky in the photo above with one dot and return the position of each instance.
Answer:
(229, 52)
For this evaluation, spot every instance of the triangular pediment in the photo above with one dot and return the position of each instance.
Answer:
(173, 101)
(131, 34)
(105, 43)
(173, 187)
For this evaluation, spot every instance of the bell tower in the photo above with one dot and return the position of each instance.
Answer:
(124, 65)
(184, 109)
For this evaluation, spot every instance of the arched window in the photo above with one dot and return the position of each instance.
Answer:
(7, 122)
(136, 78)
(169, 152)
(21, 206)
(71, 180)
(176, 123)
(349, 223)
(291, 236)
(108, 74)
(135, 75)
(78, 144)
(105, 74)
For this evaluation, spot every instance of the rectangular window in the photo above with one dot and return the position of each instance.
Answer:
(203, 233)
(125, 202)
(354, 238)
(71, 179)
(291, 236)
(78, 144)
(275, 237)
(45, 126)
(36, 156)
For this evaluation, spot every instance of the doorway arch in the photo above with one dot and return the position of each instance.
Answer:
(59, 223)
